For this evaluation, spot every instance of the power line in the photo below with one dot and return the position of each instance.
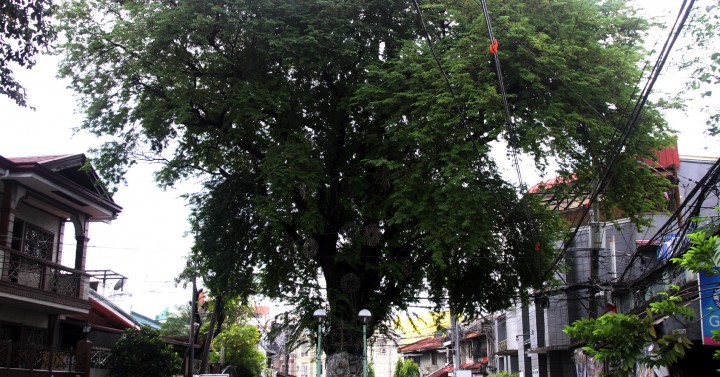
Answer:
(634, 118)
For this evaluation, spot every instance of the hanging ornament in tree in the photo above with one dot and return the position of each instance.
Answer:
(310, 248)
(384, 179)
(350, 283)
(372, 234)
(302, 189)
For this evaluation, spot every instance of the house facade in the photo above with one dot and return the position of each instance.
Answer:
(44, 202)
(435, 355)
(610, 266)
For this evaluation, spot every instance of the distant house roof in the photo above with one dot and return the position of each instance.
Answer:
(67, 179)
(147, 321)
(449, 368)
(103, 312)
(432, 343)
(262, 310)
(668, 158)
(444, 371)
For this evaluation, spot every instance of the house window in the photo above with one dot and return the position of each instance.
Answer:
(501, 329)
(434, 358)
(304, 370)
(32, 240)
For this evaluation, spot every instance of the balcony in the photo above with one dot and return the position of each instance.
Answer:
(40, 282)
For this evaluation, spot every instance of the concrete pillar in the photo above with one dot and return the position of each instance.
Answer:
(81, 237)
(82, 357)
(7, 212)
(7, 222)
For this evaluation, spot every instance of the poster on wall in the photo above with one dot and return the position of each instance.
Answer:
(709, 287)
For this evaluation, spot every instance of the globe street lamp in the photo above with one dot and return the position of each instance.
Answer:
(364, 316)
(320, 315)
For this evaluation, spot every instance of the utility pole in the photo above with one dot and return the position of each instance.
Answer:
(456, 344)
(596, 242)
(191, 351)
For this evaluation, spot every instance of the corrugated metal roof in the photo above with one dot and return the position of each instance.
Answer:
(668, 158)
(37, 159)
(424, 344)
(444, 371)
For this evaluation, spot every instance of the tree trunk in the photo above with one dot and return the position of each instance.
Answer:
(344, 357)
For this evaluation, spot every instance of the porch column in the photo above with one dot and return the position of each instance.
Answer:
(82, 357)
(7, 222)
(7, 212)
(81, 231)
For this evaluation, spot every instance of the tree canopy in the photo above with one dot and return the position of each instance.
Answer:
(141, 353)
(25, 31)
(340, 169)
(238, 343)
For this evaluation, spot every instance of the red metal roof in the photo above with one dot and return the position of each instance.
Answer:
(546, 184)
(668, 158)
(37, 159)
(444, 371)
(424, 344)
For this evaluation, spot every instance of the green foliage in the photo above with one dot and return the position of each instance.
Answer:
(141, 353)
(177, 323)
(504, 374)
(406, 368)
(329, 142)
(25, 31)
(371, 370)
(701, 58)
(239, 342)
(621, 339)
(703, 254)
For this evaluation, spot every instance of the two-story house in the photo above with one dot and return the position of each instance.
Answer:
(434, 355)
(44, 201)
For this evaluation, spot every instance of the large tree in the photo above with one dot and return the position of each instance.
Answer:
(341, 169)
(25, 31)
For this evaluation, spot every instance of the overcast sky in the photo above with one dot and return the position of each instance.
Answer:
(147, 242)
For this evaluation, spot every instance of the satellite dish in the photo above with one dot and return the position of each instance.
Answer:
(119, 285)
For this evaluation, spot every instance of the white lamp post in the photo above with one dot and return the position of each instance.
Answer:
(364, 316)
(320, 315)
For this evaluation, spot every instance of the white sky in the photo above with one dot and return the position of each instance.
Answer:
(147, 243)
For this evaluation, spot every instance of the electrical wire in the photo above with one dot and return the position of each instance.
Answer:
(634, 118)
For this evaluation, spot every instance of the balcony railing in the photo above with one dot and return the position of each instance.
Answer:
(41, 274)
(14, 355)
(502, 345)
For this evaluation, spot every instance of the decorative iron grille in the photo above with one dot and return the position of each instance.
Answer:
(13, 355)
(25, 271)
(5, 351)
(38, 243)
(63, 359)
(34, 337)
(99, 357)
(64, 283)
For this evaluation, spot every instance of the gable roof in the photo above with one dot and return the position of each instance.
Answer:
(427, 344)
(68, 180)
